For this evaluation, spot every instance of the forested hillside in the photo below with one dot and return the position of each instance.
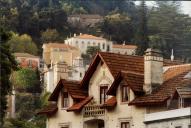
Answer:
(163, 26)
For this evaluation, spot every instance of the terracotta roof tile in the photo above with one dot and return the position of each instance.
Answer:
(164, 92)
(59, 45)
(87, 36)
(117, 63)
(73, 88)
(175, 70)
(134, 80)
(124, 46)
(78, 106)
(25, 55)
(111, 102)
(48, 110)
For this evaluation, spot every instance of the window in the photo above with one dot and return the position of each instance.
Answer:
(189, 126)
(178, 126)
(80, 74)
(108, 48)
(65, 99)
(103, 96)
(103, 46)
(125, 125)
(124, 93)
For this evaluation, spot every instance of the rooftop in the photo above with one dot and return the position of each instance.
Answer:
(122, 46)
(25, 55)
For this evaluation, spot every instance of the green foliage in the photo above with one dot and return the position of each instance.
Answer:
(7, 64)
(22, 44)
(17, 123)
(26, 110)
(171, 29)
(141, 37)
(117, 27)
(44, 98)
(50, 35)
(90, 52)
(26, 79)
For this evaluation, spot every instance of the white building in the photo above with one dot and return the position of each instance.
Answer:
(120, 91)
(82, 41)
(124, 49)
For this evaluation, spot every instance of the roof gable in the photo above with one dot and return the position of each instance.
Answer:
(73, 88)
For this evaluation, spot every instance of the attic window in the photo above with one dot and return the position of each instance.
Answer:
(65, 99)
(124, 93)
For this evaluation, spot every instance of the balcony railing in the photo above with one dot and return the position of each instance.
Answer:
(93, 111)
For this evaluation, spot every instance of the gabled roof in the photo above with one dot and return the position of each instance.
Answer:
(24, 55)
(78, 106)
(73, 88)
(163, 93)
(116, 63)
(134, 80)
(48, 110)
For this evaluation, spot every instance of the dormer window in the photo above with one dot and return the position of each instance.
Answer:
(65, 99)
(103, 96)
(124, 93)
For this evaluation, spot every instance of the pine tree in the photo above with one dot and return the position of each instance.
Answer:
(7, 64)
(141, 38)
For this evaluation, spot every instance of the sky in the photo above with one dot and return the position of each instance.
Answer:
(186, 6)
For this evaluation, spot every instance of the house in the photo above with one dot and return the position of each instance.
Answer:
(55, 52)
(62, 61)
(27, 60)
(84, 20)
(120, 91)
(124, 49)
(82, 41)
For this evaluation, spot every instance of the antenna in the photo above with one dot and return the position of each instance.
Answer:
(172, 55)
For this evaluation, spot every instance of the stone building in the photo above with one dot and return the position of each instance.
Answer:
(123, 91)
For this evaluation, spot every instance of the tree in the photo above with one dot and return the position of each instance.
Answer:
(7, 64)
(90, 52)
(117, 27)
(141, 37)
(171, 28)
(26, 79)
(22, 43)
(50, 35)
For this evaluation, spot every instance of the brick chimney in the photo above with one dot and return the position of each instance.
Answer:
(153, 70)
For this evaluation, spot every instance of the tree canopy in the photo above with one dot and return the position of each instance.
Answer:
(22, 43)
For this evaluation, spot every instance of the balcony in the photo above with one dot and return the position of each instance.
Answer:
(93, 111)
(176, 113)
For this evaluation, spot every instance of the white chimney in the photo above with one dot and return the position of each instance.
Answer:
(153, 70)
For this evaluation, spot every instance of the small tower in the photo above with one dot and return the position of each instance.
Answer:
(78, 69)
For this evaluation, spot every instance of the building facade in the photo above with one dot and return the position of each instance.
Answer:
(26, 60)
(82, 41)
(120, 91)
(124, 49)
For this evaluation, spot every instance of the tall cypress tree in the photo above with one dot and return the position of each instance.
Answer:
(7, 64)
(141, 37)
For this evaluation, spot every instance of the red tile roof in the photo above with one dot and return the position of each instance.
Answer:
(78, 106)
(164, 92)
(134, 80)
(124, 46)
(175, 70)
(116, 63)
(110, 103)
(48, 110)
(87, 36)
(73, 88)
